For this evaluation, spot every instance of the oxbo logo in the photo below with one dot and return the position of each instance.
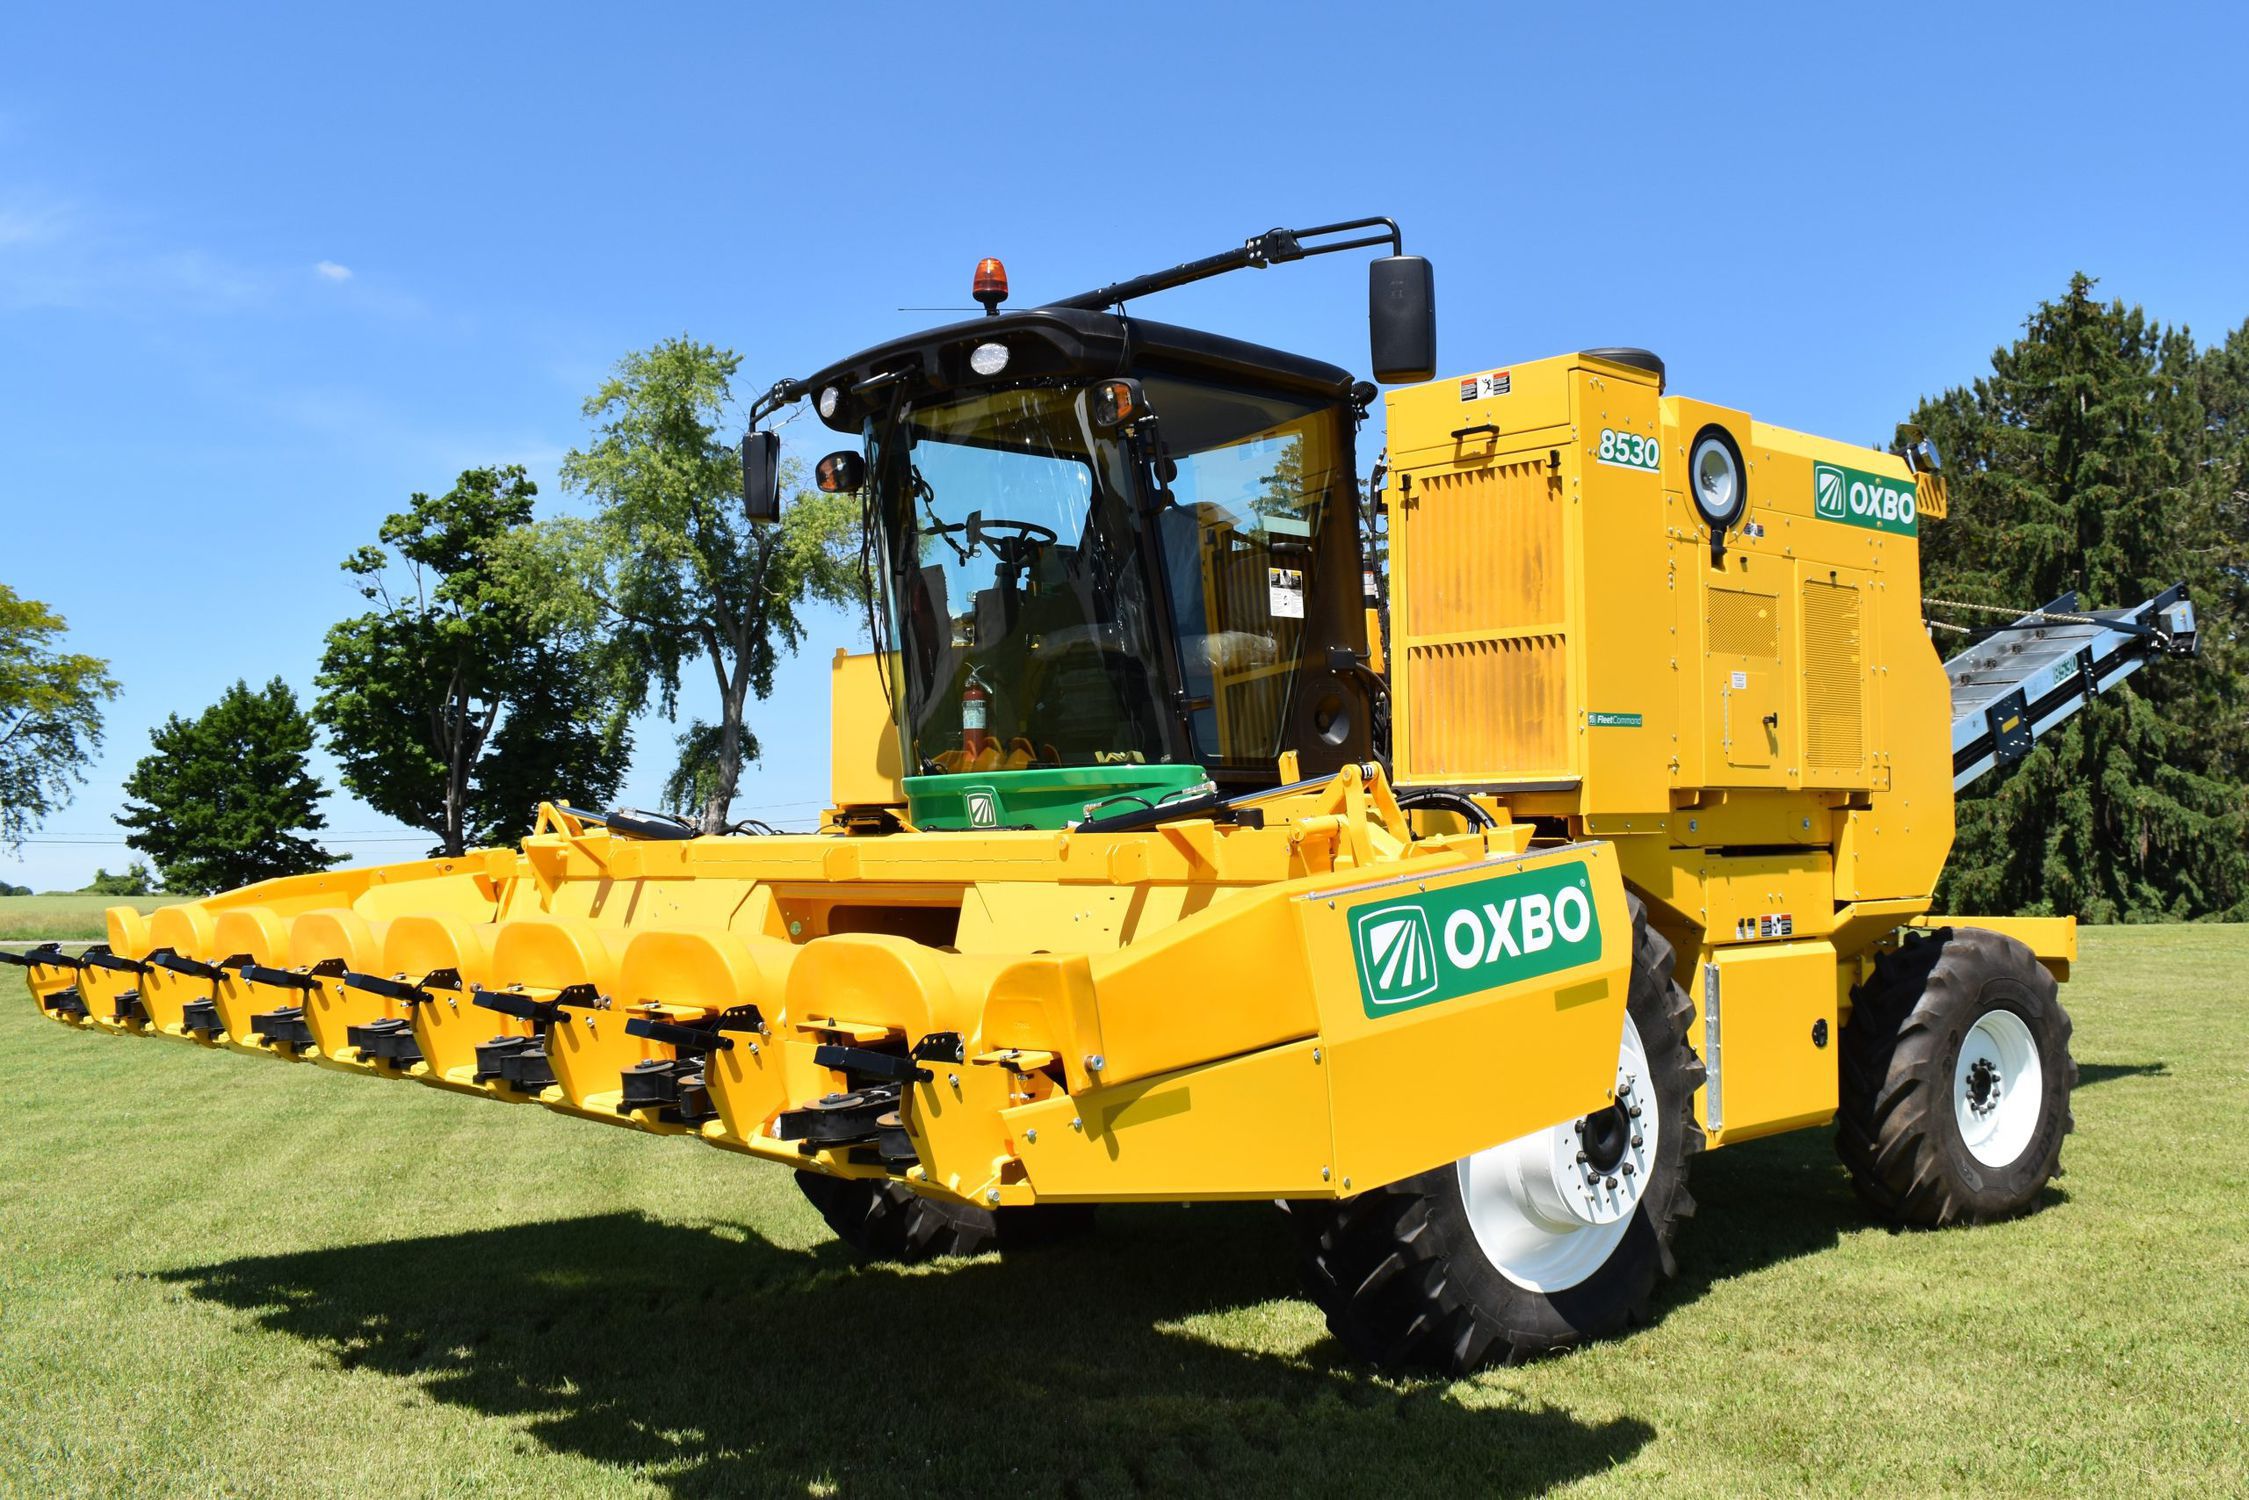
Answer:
(1480, 935)
(1857, 498)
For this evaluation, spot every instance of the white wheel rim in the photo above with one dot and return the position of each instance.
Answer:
(1547, 1221)
(1998, 1087)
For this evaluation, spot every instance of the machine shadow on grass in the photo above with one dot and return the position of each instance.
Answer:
(715, 1362)
(1787, 1196)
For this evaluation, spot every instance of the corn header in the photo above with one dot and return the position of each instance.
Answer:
(1180, 851)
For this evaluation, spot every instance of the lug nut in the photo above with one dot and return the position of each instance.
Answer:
(1635, 1140)
(1628, 1169)
(1581, 1156)
(1633, 1112)
(1611, 1182)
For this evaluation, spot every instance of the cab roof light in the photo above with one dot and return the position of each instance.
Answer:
(990, 287)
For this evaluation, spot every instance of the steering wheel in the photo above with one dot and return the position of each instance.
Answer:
(1014, 543)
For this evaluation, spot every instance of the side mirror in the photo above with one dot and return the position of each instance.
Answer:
(761, 476)
(1116, 403)
(840, 473)
(1402, 319)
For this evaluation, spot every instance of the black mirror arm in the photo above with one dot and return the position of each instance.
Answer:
(1273, 247)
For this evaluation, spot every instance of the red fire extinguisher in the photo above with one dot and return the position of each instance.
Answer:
(975, 716)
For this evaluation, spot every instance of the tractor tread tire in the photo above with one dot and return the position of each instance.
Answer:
(1895, 1128)
(1399, 1273)
(888, 1222)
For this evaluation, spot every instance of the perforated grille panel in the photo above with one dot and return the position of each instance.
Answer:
(1834, 680)
(1487, 551)
(1483, 709)
(1480, 626)
(1744, 623)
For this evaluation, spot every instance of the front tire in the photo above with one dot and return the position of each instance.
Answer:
(884, 1221)
(1955, 1081)
(1535, 1244)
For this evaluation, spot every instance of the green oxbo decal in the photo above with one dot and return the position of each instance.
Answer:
(1857, 498)
(1479, 935)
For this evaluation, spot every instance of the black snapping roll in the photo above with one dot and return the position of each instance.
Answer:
(893, 1144)
(518, 1062)
(837, 1119)
(284, 1027)
(389, 1040)
(695, 1104)
(68, 1003)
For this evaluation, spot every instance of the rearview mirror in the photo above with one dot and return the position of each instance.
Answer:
(761, 476)
(1117, 403)
(1402, 319)
(840, 473)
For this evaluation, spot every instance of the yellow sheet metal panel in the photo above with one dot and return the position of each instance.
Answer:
(262, 934)
(1623, 627)
(1896, 845)
(1226, 981)
(1467, 1005)
(1766, 1026)
(864, 765)
(2052, 939)
(1464, 419)
(1250, 1127)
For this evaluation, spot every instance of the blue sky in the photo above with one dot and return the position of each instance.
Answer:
(263, 272)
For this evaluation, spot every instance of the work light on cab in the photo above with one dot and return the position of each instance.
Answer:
(990, 287)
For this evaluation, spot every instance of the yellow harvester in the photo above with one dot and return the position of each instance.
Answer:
(1155, 872)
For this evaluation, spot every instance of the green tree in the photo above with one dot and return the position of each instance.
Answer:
(2088, 461)
(136, 881)
(50, 714)
(671, 566)
(455, 705)
(220, 801)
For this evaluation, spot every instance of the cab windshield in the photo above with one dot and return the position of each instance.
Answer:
(1062, 596)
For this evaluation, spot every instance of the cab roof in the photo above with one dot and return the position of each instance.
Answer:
(1063, 343)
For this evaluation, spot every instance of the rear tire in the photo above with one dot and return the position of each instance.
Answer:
(1450, 1270)
(1956, 1077)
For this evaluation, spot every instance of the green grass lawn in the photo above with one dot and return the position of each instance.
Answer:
(77, 917)
(226, 1276)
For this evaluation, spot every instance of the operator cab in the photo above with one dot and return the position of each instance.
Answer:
(1114, 562)
(1146, 597)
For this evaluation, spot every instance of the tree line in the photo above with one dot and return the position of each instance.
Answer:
(502, 656)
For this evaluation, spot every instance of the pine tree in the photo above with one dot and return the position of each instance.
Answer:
(2087, 462)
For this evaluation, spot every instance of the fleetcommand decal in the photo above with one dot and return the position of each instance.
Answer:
(1612, 721)
(1857, 498)
(1463, 939)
